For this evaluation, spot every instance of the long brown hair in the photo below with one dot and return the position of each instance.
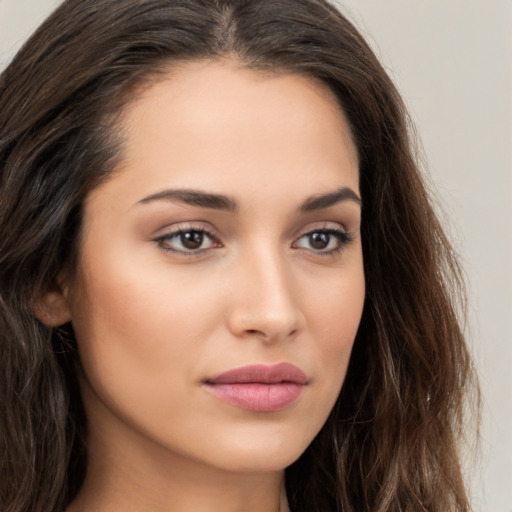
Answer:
(391, 441)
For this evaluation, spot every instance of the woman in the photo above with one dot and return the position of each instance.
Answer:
(223, 286)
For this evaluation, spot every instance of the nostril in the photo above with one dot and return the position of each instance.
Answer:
(255, 331)
(270, 335)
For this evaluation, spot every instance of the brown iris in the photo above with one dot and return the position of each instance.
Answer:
(192, 239)
(319, 240)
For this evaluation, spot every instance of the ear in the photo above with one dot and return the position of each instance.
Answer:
(51, 307)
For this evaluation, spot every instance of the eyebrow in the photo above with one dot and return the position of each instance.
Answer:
(327, 200)
(222, 202)
(194, 198)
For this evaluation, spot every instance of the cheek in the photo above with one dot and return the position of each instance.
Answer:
(333, 321)
(138, 300)
(335, 308)
(139, 333)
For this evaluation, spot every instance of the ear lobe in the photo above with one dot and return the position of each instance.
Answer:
(51, 307)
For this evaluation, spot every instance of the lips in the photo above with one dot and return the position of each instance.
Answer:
(259, 388)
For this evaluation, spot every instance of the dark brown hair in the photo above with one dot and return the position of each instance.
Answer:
(391, 442)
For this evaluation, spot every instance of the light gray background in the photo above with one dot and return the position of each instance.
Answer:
(452, 61)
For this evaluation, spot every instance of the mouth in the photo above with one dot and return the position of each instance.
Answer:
(259, 388)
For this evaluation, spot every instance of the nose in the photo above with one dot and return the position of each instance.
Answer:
(265, 302)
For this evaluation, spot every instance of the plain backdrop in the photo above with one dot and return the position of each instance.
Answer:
(452, 61)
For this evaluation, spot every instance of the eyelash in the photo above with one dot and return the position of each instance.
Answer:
(343, 239)
(164, 240)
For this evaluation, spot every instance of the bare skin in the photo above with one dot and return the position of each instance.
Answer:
(170, 290)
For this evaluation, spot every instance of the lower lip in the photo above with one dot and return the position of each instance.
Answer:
(256, 396)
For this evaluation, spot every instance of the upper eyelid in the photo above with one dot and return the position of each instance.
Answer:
(321, 226)
(170, 229)
(209, 229)
(330, 230)
(333, 226)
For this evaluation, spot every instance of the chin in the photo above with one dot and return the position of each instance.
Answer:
(264, 451)
(262, 462)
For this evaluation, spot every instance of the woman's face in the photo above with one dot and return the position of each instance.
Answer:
(227, 240)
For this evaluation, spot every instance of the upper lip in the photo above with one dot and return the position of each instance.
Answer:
(261, 373)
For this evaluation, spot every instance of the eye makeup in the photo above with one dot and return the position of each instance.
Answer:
(195, 239)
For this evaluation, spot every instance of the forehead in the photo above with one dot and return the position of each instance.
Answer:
(217, 124)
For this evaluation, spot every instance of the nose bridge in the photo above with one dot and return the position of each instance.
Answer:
(266, 304)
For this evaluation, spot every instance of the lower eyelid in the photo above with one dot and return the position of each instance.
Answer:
(163, 241)
(342, 236)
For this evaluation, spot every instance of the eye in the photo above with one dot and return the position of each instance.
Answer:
(326, 241)
(187, 241)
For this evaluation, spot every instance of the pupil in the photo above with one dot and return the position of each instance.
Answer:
(319, 240)
(192, 239)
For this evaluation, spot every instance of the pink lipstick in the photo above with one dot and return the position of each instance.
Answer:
(259, 388)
